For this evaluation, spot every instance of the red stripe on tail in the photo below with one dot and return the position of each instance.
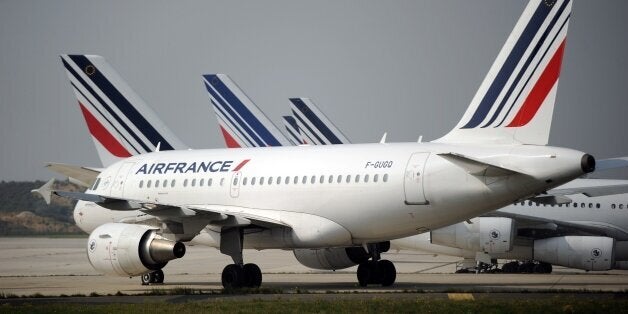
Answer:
(229, 140)
(540, 91)
(102, 135)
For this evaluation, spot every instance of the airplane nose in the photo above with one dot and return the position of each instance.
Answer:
(587, 163)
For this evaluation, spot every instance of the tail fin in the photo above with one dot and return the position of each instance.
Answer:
(515, 102)
(242, 123)
(316, 128)
(120, 122)
(294, 136)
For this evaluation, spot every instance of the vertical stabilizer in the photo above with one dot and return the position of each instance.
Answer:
(241, 122)
(119, 121)
(314, 126)
(516, 100)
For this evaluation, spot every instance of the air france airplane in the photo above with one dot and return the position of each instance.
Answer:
(343, 196)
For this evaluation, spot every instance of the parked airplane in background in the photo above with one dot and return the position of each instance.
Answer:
(589, 233)
(347, 196)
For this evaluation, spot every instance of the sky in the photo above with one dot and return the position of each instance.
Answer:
(409, 68)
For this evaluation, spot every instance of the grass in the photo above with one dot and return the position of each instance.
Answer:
(378, 305)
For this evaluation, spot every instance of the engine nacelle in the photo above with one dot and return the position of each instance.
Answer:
(331, 258)
(483, 234)
(582, 252)
(130, 250)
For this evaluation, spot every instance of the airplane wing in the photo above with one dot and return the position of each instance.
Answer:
(544, 228)
(85, 176)
(592, 191)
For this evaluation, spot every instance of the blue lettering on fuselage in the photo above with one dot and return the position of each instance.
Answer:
(184, 167)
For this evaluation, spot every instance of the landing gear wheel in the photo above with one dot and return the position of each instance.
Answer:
(147, 279)
(158, 276)
(366, 273)
(232, 276)
(510, 268)
(252, 276)
(387, 274)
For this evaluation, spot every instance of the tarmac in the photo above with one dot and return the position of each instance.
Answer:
(59, 266)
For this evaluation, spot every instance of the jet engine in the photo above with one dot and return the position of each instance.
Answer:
(130, 250)
(582, 252)
(331, 258)
(483, 234)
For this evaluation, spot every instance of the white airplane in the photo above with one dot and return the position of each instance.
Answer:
(348, 195)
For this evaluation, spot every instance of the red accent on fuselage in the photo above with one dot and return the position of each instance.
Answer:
(540, 91)
(102, 134)
(229, 140)
(241, 165)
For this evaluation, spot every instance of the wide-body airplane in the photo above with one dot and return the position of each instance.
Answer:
(342, 195)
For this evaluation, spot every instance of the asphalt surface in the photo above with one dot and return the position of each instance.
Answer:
(58, 266)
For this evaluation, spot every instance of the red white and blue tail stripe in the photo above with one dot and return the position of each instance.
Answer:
(292, 130)
(241, 122)
(120, 122)
(314, 126)
(515, 102)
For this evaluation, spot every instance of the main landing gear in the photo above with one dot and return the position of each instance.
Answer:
(153, 277)
(376, 270)
(238, 274)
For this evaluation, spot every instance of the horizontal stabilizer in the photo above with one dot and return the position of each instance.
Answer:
(593, 191)
(478, 167)
(611, 163)
(85, 176)
(550, 199)
(45, 190)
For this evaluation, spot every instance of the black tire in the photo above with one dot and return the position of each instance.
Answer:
(158, 276)
(252, 276)
(147, 279)
(365, 272)
(510, 268)
(387, 273)
(232, 276)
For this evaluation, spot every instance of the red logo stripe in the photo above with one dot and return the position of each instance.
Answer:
(241, 165)
(229, 140)
(540, 91)
(102, 135)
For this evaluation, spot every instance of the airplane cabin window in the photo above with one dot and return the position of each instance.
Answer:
(193, 182)
(366, 178)
(172, 183)
(185, 183)
(621, 206)
(222, 181)
(313, 179)
(330, 179)
(253, 181)
(270, 180)
(261, 180)
(156, 183)
(209, 182)
(296, 180)
(322, 180)
(244, 180)
(348, 178)
(148, 184)
(235, 181)
(590, 205)
(357, 178)
(376, 178)
(304, 180)
(339, 179)
(582, 205)
(613, 206)
(165, 183)
(141, 183)
(278, 180)
(386, 177)
(597, 205)
(287, 180)
(201, 182)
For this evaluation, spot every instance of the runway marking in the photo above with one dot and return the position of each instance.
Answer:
(461, 296)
